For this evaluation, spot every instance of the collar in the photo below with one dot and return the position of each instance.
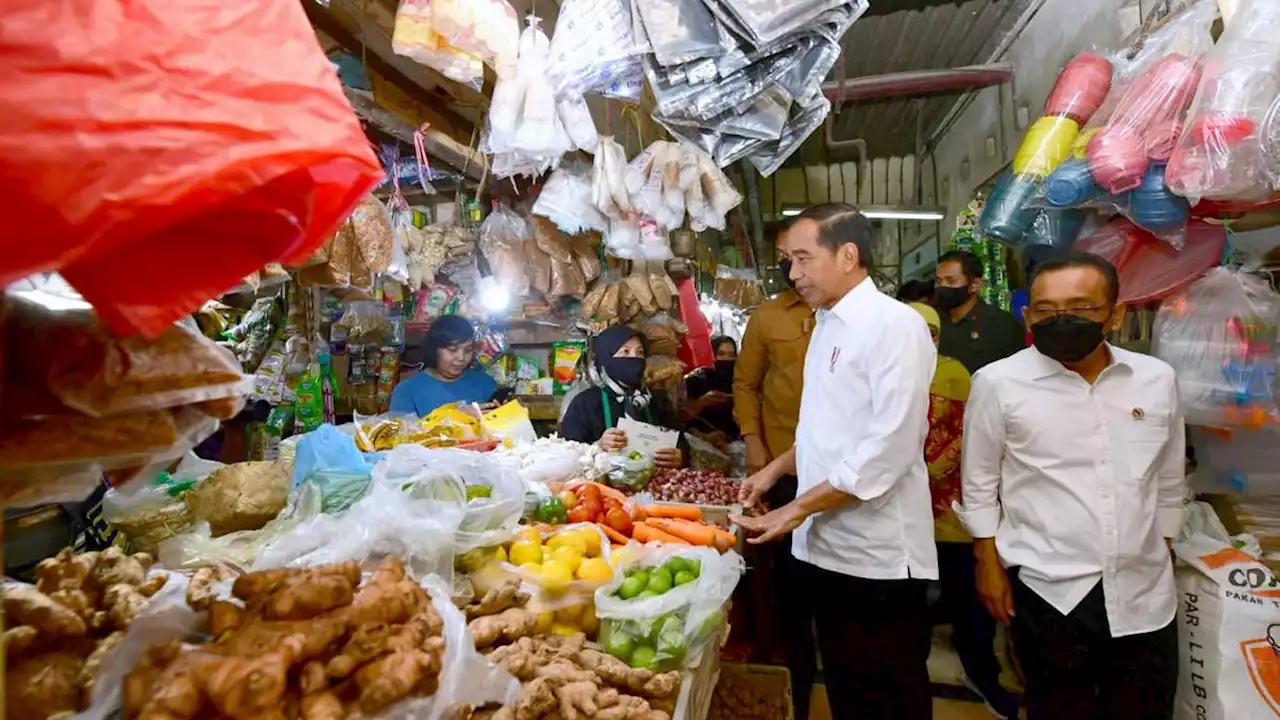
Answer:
(846, 308)
(789, 298)
(978, 308)
(1046, 366)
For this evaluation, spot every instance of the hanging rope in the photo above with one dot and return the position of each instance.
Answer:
(420, 151)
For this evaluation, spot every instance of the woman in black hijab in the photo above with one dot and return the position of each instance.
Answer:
(710, 392)
(618, 379)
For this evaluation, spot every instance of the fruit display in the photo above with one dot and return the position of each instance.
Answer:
(653, 581)
(562, 678)
(631, 471)
(297, 643)
(58, 632)
(702, 487)
(448, 426)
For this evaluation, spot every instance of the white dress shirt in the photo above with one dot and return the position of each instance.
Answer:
(1079, 483)
(864, 415)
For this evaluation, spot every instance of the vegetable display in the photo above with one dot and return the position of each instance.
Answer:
(310, 643)
(58, 632)
(703, 487)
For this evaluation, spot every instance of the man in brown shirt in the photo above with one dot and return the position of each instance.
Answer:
(766, 400)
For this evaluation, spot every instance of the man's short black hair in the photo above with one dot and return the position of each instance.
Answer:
(1073, 259)
(916, 291)
(446, 332)
(970, 265)
(841, 224)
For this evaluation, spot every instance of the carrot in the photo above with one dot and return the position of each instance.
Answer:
(639, 513)
(692, 532)
(648, 533)
(679, 512)
(613, 535)
(725, 540)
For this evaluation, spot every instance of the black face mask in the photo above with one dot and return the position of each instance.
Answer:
(950, 298)
(724, 372)
(1067, 338)
(628, 371)
(785, 267)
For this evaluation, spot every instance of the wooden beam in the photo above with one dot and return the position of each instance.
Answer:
(435, 103)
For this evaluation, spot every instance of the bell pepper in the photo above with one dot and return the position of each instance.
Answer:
(551, 511)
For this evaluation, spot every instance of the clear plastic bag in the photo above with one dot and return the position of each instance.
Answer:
(502, 237)
(1219, 334)
(608, 180)
(630, 472)
(676, 622)
(1242, 462)
(593, 46)
(578, 123)
(445, 475)
(1221, 155)
(198, 548)
(566, 201)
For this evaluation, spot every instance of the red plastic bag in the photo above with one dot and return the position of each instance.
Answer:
(1151, 269)
(156, 152)
(695, 346)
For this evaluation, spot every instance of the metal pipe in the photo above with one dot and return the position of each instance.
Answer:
(918, 82)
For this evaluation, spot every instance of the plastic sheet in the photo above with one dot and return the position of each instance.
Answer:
(1221, 156)
(1150, 269)
(443, 476)
(268, 157)
(1219, 335)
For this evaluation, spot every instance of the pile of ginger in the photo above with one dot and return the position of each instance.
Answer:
(304, 644)
(58, 631)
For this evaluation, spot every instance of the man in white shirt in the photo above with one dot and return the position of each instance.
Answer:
(1073, 484)
(862, 522)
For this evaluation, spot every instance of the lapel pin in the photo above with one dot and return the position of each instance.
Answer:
(1138, 413)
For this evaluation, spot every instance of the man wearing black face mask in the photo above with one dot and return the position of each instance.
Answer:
(1073, 467)
(973, 332)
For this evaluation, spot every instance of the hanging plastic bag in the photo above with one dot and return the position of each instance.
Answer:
(593, 46)
(259, 166)
(1222, 155)
(414, 36)
(1150, 269)
(1219, 335)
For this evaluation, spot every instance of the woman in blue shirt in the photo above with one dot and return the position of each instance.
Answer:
(449, 374)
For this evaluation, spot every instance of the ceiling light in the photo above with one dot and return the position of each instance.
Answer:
(791, 212)
(494, 296)
(904, 214)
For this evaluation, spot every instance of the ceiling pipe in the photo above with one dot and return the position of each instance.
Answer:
(919, 82)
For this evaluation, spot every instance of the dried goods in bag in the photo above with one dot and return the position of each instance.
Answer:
(261, 165)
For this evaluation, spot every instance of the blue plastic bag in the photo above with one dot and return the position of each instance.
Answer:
(327, 449)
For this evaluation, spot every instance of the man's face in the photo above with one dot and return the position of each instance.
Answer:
(819, 273)
(951, 274)
(1080, 291)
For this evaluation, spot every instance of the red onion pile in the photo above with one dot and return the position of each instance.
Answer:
(703, 487)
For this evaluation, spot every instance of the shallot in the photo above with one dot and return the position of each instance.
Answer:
(703, 487)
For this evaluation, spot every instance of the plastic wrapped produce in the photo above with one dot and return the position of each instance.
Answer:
(1221, 155)
(1219, 335)
(414, 36)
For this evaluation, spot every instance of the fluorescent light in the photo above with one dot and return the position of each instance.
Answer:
(791, 212)
(903, 214)
(494, 296)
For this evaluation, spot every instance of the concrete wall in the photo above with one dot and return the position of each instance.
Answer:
(985, 135)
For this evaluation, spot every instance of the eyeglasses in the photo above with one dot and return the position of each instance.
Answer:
(1047, 312)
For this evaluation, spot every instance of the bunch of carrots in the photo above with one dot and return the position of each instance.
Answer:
(670, 524)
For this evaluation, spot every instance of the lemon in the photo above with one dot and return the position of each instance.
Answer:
(555, 577)
(523, 553)
(589, 622)
(595, 569)
(543, 624)
(562, 630)
(500, 554)
(547, 553)
(592, 540)
(569, 539)
(569, 556)
(569, 615)
(529, 534)
(531, 568)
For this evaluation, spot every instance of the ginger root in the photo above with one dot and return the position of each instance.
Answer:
(496, 600)
(25, 605)
(506, 627)
(39, 686)
(200, 592)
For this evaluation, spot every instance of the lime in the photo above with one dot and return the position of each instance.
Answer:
(620, 645)
(646, 595)
(684, 577)
(659, 581)
(631, 587)
(644, 657)
(642, 574)
(676, 564)
(695, 567)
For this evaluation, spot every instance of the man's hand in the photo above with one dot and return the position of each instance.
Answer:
(757, 454)
(994, 590)
(772, 525)
(613, 440)
(669, 458)
(754, 487)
